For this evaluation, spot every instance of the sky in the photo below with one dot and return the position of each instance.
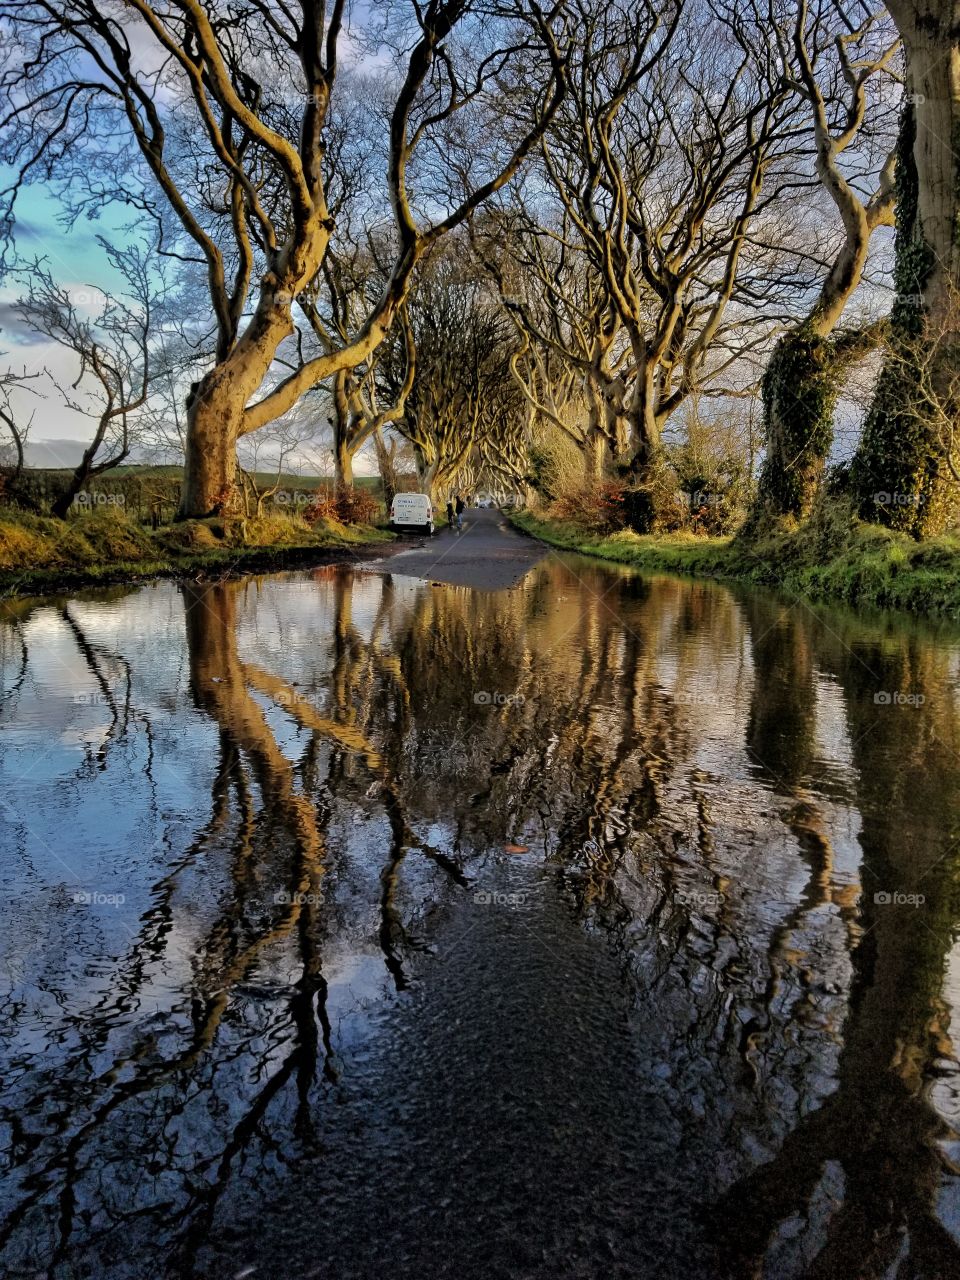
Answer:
(79, 262)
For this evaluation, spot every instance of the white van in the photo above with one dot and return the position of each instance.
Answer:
(412, 511)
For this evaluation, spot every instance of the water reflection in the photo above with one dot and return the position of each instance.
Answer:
(598, 923)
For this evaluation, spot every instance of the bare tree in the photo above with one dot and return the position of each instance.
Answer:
(113, 349)
(95, 102)
(450, 371)
(835, 56)
(11, 417)
(668, 169)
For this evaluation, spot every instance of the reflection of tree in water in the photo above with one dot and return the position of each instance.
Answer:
(876, 1137)
(713, 884)
(267, 832)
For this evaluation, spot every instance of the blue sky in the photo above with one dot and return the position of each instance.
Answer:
(79, 262)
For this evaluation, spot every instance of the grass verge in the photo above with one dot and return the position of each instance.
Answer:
(39, 554)
(831, 556)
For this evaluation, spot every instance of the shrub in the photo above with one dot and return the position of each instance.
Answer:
(345, 506)
(36, 542)
(24, 542)
(598, 507)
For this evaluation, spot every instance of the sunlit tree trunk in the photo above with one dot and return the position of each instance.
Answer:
(215, 412)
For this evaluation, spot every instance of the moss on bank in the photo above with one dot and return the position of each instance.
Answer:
(42, 554)
(832, 555)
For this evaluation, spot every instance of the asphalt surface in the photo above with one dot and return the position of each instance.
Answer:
(488, 554)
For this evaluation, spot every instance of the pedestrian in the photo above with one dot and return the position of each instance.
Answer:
(450, 512)
(461, 507)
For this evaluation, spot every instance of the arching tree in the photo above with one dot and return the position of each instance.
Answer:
(184, 112)
(451, 370)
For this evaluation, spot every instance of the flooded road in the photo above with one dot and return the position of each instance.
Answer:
(357, 926)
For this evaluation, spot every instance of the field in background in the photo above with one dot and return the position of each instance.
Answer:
(151, 494)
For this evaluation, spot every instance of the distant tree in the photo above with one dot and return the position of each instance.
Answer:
(113, 349)
(451, 368)
(653, 253)
(12, 455)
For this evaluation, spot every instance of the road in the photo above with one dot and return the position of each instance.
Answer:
(488, 554)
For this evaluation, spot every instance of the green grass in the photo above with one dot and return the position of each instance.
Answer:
(38, 553)
(831, 556)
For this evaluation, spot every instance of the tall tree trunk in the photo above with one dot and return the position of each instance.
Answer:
(388, 478)
(901, 474)
(210, 462)
(639, 500)
(343, 465)
(343, 422)
(593, 457)
(427, 472)
(215, 409)
(801, 386)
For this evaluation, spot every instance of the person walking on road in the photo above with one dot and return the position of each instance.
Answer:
(450, 512)
(461, 507)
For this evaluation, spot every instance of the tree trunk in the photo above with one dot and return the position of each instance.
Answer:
(427, 472)
(593, 457)
(87, 468)
(210, 463)
(388, 479)
(342, 431)
(61, 506)
(215, 410)
(900, 474)
(639, 499)
(801, 386)
(343, 465)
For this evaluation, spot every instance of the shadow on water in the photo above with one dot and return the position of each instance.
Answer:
(601, 926)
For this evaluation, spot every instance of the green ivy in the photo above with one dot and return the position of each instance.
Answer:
(898, 453)
(800, 389)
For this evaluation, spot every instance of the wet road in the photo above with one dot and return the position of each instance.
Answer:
(488, 555)
(601, 927)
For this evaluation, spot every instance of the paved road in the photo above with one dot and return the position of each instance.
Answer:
(488, 554)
